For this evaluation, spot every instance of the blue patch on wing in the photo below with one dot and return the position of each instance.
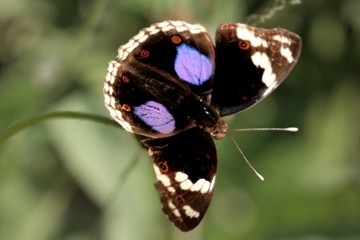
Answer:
(156, 116)
(192, 66)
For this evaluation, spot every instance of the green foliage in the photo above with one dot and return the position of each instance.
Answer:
(56, 178)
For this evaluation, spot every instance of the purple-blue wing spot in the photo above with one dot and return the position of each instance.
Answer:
(192, 66)
(156, 116)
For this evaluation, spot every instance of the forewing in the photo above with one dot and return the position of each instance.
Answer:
(185, 166)
(182, 52)
(250, 63)
(161, 80)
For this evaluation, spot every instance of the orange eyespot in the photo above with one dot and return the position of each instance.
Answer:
(244, 45)
(164, 168)
(274, 48)
(144, 53)
(125, 107)
(125, 79)
(176, 39)
(180, 199)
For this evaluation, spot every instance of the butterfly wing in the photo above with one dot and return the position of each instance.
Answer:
(182, 52)
(160, 82)
(250, 63)
(185, 165)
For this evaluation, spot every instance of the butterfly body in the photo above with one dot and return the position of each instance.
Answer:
(170, 84)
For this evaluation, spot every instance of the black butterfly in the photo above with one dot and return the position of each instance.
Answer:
(170, 84)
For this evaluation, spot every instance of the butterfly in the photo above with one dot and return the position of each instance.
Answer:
(171, 85)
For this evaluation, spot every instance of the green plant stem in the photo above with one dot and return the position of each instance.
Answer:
(17, 127)
(269, 12)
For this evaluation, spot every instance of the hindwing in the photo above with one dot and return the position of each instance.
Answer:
(185, 166)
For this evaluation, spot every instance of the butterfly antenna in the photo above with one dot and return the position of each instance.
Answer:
(247, 161)
(289, 129)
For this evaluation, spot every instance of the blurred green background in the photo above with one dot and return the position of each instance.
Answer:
(56, 177)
